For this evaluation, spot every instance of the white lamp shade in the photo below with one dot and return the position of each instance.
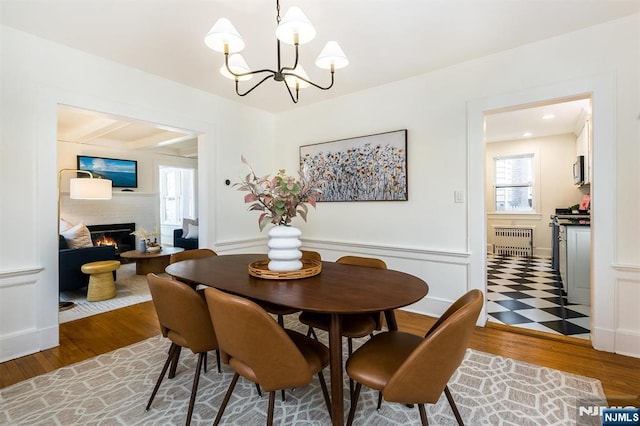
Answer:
(224, 33)
(238, 65)
(332, 54)
(89, 189)
(295, 22)
(292, 80)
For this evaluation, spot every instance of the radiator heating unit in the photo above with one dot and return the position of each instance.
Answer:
(510, 241)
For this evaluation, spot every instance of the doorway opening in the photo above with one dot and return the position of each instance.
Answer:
(177, 199)
(82, 132)
(530, 151)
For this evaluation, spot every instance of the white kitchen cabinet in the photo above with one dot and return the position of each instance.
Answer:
(578, 264)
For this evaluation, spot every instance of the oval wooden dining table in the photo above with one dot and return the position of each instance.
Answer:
(338, 289)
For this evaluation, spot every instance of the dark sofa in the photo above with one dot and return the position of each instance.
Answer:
(185, 243)
(70, 277)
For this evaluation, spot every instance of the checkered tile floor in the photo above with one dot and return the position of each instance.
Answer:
(527, 292)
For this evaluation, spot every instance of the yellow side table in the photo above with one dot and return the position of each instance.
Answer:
(101, 284)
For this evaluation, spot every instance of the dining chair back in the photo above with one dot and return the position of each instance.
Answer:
(444, 346)
(370, 262)
(413, 370)
(258, 349)
(353, 325)
(191, 254)
(309, 254)
(184, 320)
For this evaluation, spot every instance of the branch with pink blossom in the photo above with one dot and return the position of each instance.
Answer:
(280, 198)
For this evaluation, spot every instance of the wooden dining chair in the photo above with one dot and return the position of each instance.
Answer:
(184, 320)
(411, 369)
(191, 254)
(279, 310)
(353, 325)
(257, 348)
(313, 255)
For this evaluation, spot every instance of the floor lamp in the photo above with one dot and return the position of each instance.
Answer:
(93, 188)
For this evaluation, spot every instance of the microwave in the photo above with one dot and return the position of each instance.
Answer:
(578, 170)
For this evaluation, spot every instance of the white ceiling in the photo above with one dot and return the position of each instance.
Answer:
(385, 40)
(553, 118)
(98, 129)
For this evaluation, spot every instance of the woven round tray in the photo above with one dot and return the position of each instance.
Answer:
(260, 269)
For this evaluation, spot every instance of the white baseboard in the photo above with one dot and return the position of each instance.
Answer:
(18, 345)
(433, 307)
(627, 343)
(603, 339)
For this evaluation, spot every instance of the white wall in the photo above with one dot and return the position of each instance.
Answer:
(553, 157)
(36, 76)
(429, 235)
(435, 238)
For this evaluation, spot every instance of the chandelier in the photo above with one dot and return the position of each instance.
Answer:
(294, 28)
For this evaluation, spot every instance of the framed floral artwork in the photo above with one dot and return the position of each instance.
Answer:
(364, 168)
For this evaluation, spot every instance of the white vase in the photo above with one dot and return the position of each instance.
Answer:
(284, 244)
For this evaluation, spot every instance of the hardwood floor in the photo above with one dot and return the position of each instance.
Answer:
(86, 338)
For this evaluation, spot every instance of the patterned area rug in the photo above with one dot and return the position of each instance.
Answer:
(113, 389)
(130, 289)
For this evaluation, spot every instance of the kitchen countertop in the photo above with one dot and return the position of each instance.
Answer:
(574, 222)
(571, 220)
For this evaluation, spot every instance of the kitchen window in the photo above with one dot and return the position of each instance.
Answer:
(513, 186)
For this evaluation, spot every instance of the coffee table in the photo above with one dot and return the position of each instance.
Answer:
(151, 262)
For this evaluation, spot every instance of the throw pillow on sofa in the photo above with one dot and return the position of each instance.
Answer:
(193, 232)
(64, 225)
(78, 236)
(185, 226)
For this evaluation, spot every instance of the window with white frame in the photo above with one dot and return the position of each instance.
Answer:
(177, 198)
(513, 186)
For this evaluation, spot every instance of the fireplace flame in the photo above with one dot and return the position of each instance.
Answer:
(106, 241)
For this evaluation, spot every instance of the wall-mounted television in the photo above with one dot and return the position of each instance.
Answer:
(123, 173)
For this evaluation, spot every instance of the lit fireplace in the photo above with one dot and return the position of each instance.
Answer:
(106, 241)
(115, 234)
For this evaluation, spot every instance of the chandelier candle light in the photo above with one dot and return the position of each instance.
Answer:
(294, 28)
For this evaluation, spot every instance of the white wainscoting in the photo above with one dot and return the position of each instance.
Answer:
(627, 310)
(20, 331)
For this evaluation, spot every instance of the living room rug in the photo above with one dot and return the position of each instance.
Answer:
(130, 289)
(113, 389)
